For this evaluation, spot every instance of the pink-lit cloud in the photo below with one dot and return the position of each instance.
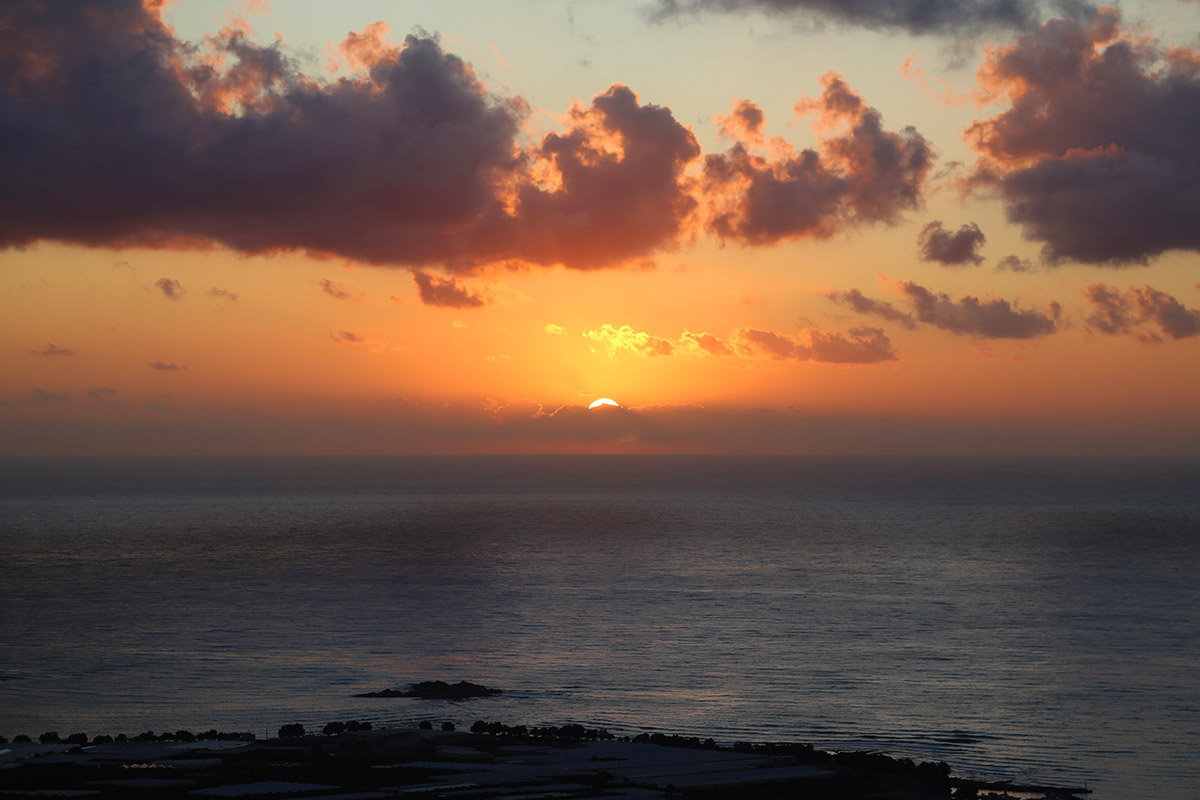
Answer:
(744, 122)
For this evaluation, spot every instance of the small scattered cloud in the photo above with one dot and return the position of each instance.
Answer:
(768, 343)
(555, 330)
(355, 339)
(50, 350)
(44, 397)
(615, 339)
(223, 294)
(951, 249)
(103, 393)
(448, 292)
(744, 122)
(861, 346)
(946, 96)
(985, 319)
(1129, 312)
(499, 58)
(335, 290)
(969, 316)
(164, 366)
(861, 304)
(1015, 264)
(710, 344)
(458, 323)
(171, 288)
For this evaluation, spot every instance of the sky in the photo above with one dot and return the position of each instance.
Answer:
(781, 226)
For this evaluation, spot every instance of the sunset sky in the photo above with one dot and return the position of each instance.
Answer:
(965, 226)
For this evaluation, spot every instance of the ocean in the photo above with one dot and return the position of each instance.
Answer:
(1036, 620)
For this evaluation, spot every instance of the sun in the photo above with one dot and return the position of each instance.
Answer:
(604, 401)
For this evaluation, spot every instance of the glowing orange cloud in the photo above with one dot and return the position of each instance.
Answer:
(864, 175)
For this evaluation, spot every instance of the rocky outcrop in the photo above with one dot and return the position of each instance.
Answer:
(438, 690)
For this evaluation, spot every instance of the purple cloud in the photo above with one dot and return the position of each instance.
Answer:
(170, 288)
(52, 350)
(951, 249)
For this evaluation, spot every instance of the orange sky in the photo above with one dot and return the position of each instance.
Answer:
(757, 231)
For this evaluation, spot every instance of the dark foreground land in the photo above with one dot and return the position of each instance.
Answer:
(491, 761)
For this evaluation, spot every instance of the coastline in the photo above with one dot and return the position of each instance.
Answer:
(349, 761)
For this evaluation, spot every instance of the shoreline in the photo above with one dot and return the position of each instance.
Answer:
(353, 761)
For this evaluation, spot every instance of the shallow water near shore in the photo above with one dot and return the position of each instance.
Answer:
(1034, 620)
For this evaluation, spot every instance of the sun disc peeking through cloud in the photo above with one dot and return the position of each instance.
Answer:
(604, 401)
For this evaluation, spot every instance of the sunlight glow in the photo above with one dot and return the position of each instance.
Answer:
(604, 401)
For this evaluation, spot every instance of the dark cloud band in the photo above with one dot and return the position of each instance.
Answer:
(914, 16)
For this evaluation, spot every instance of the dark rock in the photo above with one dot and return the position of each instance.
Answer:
(438, 690)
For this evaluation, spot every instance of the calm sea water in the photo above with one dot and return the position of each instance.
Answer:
(1036, 620)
